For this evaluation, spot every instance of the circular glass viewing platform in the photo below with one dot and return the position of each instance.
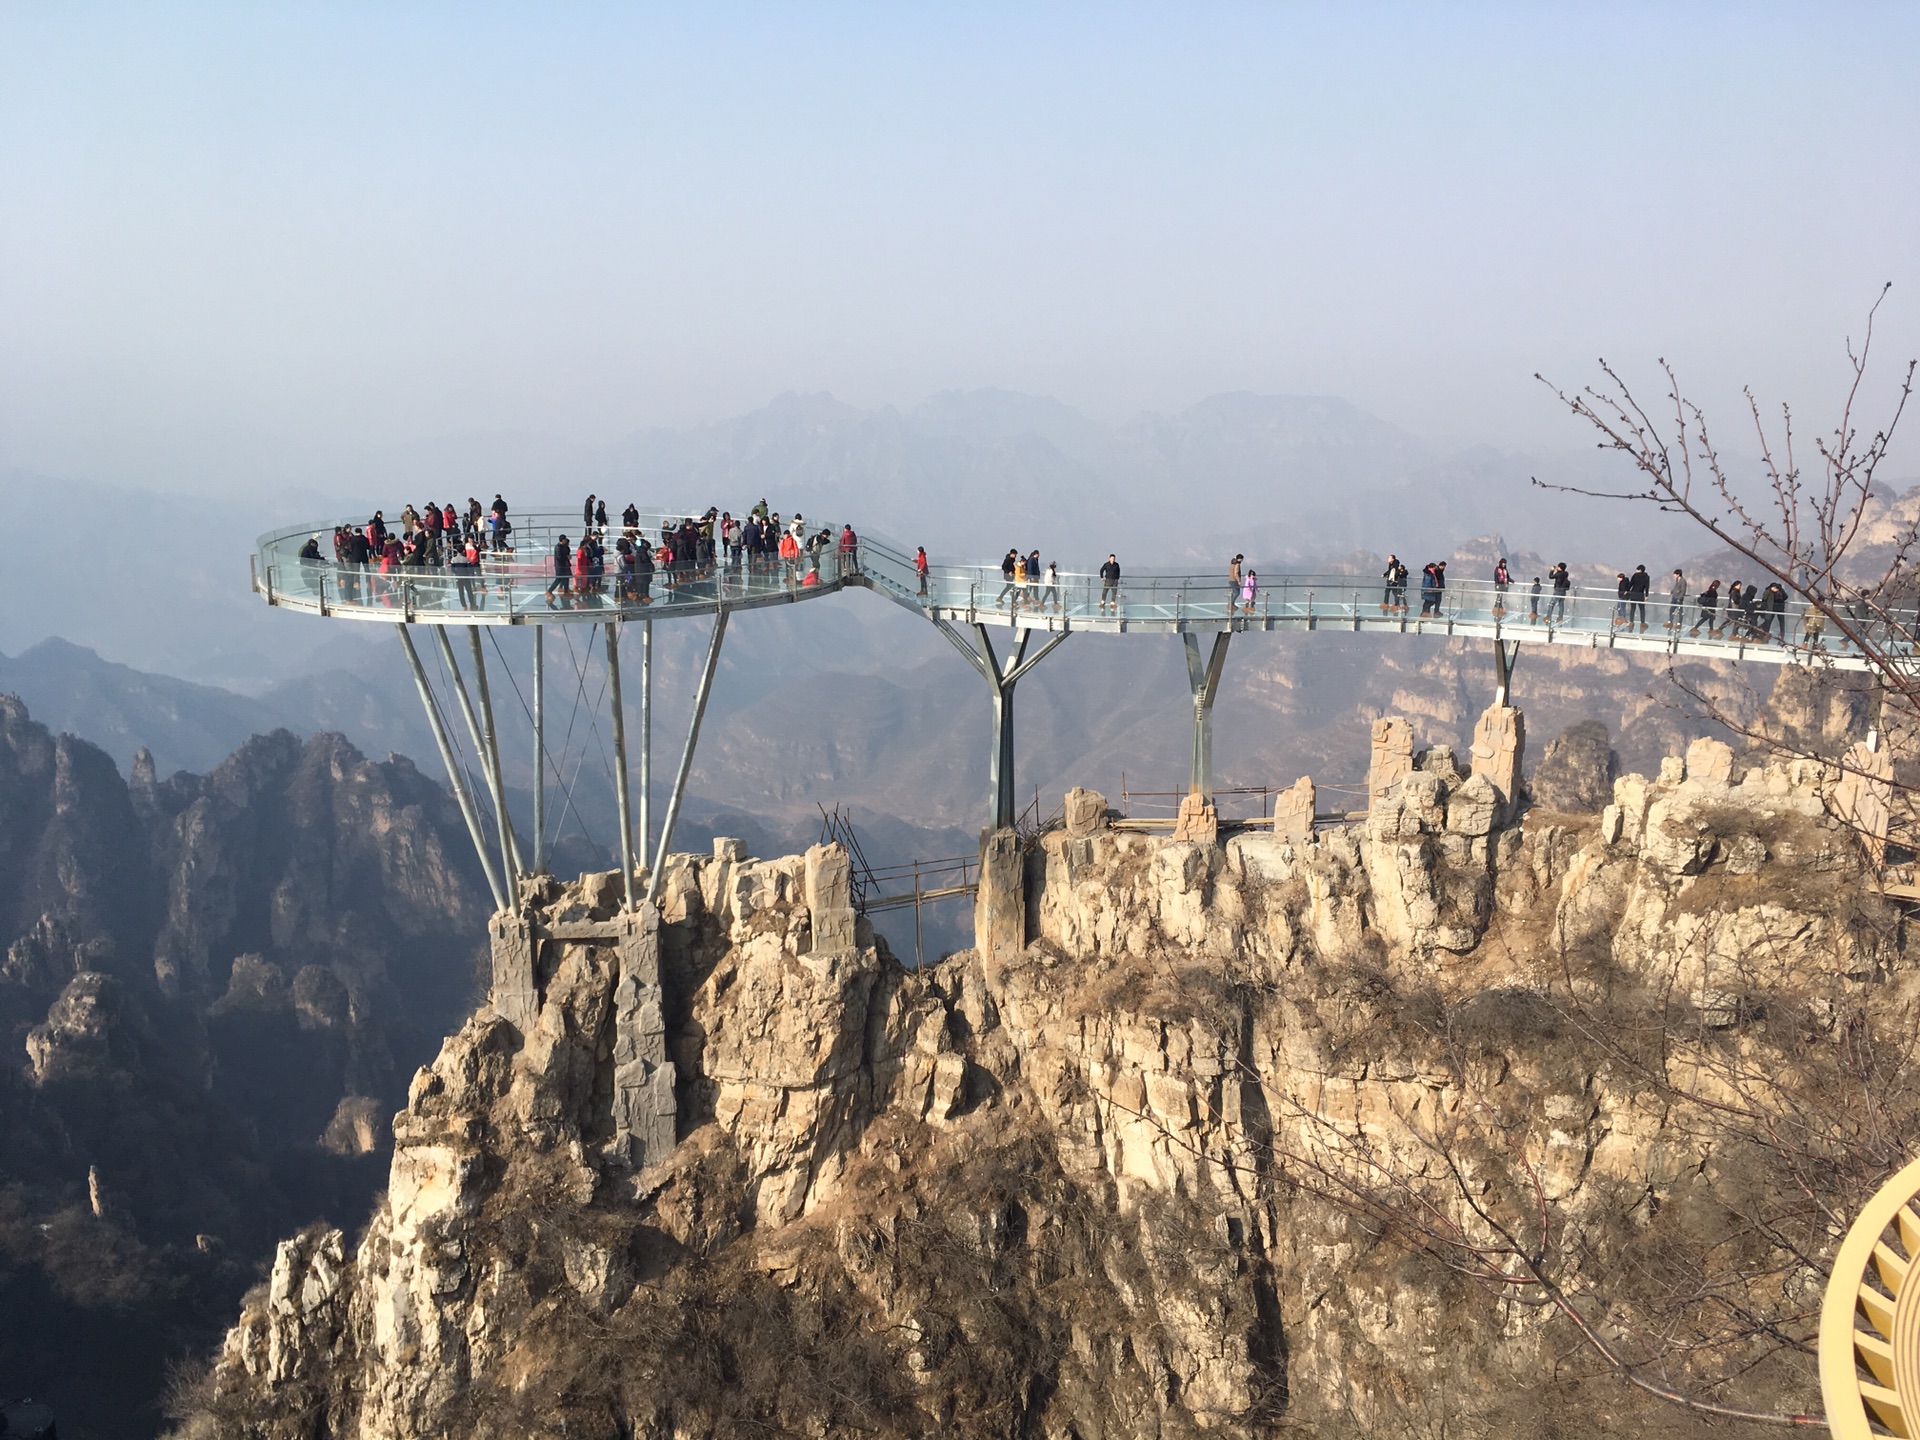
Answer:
(515, 582)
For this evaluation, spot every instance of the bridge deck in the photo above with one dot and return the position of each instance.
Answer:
(517, 587)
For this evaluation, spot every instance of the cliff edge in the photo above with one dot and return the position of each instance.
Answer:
(1455, 1121)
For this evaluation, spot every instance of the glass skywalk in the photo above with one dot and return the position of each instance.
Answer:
(512, 588)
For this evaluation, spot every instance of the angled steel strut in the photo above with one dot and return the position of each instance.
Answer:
(686, 756)
(455, 776)
(483, 747)
(1506, 654)
(1001, 676)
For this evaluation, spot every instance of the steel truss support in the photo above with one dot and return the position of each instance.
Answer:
(1506, 654)
(480, 727)
(1001, 676)
(1203, 679)
(455, 776)
(620, 762)
(686, 756)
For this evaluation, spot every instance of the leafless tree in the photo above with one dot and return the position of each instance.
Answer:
(1825, 529)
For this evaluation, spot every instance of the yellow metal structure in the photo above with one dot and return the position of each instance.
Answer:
(1870, 1320)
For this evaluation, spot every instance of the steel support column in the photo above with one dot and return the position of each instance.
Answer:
(620, 792)
(1503, 662)
(646, 739)
(1204, 681)
(686, 756)
(1001, 676)
(468, 810)
(539, 750)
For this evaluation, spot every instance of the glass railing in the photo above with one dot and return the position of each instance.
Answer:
(1350, 601)
(518, 576)
(517, 579)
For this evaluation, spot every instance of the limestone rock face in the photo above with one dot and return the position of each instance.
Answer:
(1198, 820)
(1862, 797)
(1710, 761)
(1499, 752)
(78, 1038)
(830, 897)
(1000, 906)
(1061, 1176)
(1086, 813)
(1293, 811)
(1576, 773)
(1392, 755)
(212, 988)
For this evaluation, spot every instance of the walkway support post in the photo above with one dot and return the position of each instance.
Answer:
(646, 739)
(539, 750)
(1001, 676)
(620, 792)
(686, 756)
(1203, 679)
(468, 810)
(1504, 659)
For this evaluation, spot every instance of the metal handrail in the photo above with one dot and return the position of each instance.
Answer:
(513, 586)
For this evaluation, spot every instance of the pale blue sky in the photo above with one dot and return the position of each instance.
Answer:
(246, 240)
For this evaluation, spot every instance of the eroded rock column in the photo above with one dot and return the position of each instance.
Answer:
(644, 1111)
(515, 994)
(1000, 906)
(1392, 756)
(1499, 750)
(1293, 811)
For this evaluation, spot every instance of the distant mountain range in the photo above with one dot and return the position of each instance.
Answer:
(1289, 478)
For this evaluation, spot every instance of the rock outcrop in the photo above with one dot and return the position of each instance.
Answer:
(1202, 1137)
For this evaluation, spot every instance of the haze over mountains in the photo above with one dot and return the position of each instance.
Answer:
(1287, 479)
(849, 700)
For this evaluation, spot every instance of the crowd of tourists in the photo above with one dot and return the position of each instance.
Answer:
(1742, 611)
(621, 562)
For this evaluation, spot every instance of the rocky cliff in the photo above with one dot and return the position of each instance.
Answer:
(212, 989)
(1465, 1120)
